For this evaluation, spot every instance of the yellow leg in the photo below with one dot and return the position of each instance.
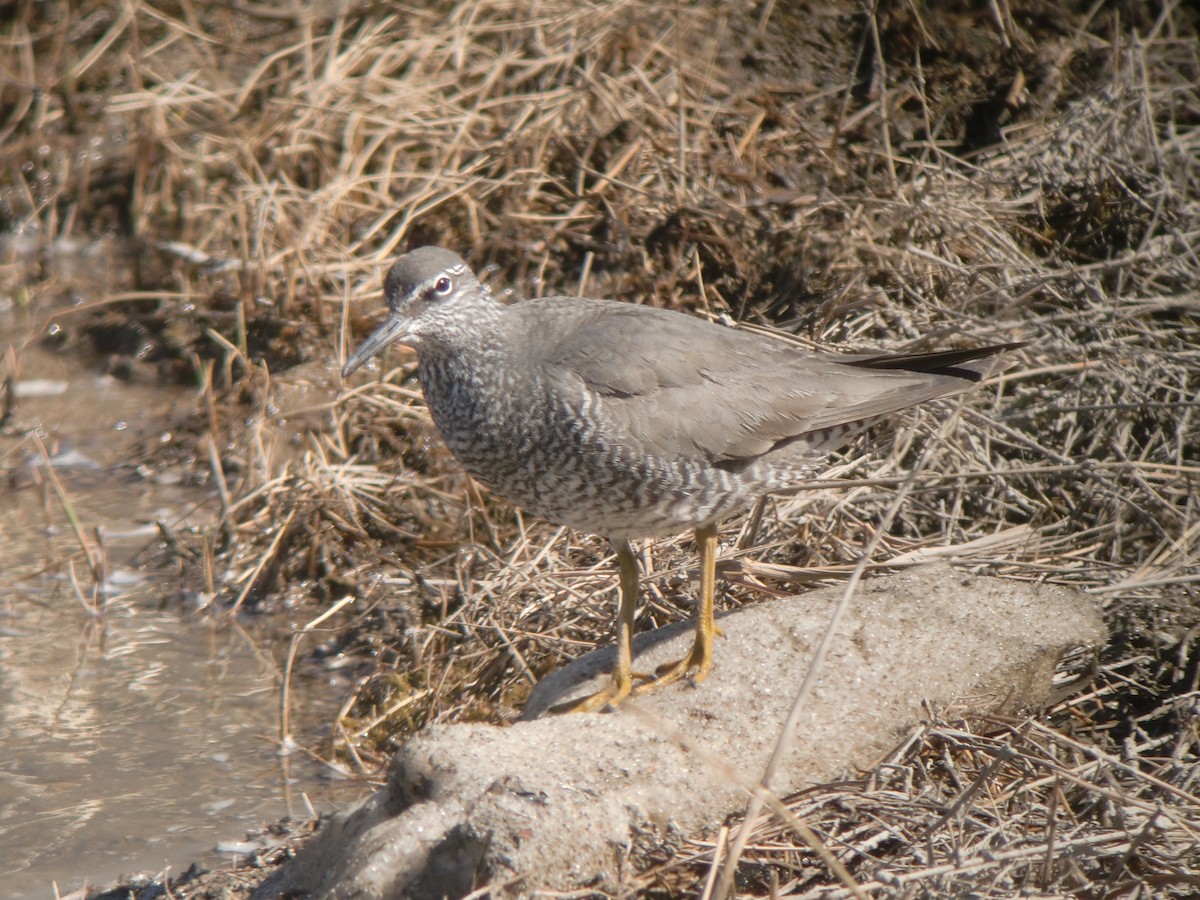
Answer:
(699, 660)
(622, 677)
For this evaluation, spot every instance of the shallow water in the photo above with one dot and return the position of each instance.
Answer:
(137, 732)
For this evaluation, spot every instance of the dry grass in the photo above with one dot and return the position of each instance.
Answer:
(987, 174)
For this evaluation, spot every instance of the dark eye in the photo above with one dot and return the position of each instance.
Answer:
(443, 285)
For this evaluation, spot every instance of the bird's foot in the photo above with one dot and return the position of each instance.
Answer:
(696, 663)
(613, 693)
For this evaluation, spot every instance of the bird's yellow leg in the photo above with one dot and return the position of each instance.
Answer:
(699, 660)
(622, 677)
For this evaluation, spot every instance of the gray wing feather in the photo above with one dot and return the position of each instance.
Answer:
(679, 385)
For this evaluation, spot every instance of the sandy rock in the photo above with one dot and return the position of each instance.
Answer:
(563, 803)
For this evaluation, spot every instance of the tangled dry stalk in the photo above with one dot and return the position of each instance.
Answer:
(858, 176)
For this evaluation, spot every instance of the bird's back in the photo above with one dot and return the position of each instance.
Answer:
(630, 421)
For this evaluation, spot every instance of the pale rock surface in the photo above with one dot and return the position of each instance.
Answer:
(571, 802)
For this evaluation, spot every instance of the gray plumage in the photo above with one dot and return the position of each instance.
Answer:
(629, 421)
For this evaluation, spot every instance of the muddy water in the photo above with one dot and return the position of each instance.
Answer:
(138, 732)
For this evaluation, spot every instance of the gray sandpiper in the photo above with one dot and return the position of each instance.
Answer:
(631, 422)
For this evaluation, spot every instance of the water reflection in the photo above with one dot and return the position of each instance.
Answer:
(136, 733)
(132, 739)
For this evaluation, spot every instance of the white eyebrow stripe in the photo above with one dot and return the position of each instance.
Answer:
(427, 285)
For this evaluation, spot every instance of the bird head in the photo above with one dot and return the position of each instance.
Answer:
(427, 292)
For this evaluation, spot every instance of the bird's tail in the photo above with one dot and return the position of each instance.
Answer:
(973, 364)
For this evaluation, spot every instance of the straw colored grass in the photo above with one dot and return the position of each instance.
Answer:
(908, 178)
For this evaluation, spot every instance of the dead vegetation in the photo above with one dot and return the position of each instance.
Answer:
(905, 177)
